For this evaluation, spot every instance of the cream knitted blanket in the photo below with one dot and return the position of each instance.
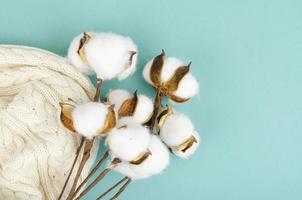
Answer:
(36, 151)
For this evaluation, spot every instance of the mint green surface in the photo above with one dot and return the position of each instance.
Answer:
(247, 56)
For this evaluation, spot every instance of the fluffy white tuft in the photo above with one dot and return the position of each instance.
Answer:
(171, 64)
(154, 164)
(187, 88)
(188, 153)
(176, 129)
(144, 109)
(89, 118)
(146, 71)
(74, 58)
(108, 54)
(117, 97)
(128, 142)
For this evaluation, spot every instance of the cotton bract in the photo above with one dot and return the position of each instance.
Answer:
(92, 119)
(154, 164)
(138, 106)
(129, 140)
(171, 77)
(107, 54)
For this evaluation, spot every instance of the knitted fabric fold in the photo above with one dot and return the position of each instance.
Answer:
(36, 150)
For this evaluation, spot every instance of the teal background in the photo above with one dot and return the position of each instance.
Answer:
(247, 56)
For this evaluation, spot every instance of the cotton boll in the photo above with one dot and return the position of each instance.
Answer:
(154, 164)
(143, 105)
(74, 58)
(171, 77)
(176, 129)
(187, 88)
(89, 118)
(129, 140)
(169, 67)
(188, 153)
(109, 55)
(144, 109)
(117, 97)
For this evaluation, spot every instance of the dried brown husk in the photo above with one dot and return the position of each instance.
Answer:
(128, 106)
(156, 68)
(161, 118)
(187, 144)
(83, 41)
(65, 116)
(172, 84)
(132, 54)
(110, 122)
(141, 158)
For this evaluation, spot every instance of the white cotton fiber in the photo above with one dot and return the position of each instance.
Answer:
(146, 71)
(89, 118)
(109, 54)
(171, 64)
(188, 153)
(187, 88)
(117, 97)
(154, 164)
(129, 140)
(144, 109)
(176, 129)
(74, 58)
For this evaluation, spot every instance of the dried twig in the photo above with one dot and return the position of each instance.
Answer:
(86, 155)
(98, 165)
(157, 104)
(72, 167)
(99, 177)
(112, 188)
(121, 190)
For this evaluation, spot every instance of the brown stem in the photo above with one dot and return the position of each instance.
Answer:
(72, 167)
(86, 155)
(98, 90)
(112, 188)
(98, 165)
(114, 162)
(87, 147)
(121, 190)
(98, 178)
(157, 104)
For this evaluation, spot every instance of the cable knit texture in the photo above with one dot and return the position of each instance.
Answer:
(36, 151)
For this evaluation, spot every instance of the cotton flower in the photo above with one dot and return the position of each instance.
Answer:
(177, 132)
(129, 141)
(89, 119)
(107, 54)
(171, 77)
(157, 162)
(138, 106)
